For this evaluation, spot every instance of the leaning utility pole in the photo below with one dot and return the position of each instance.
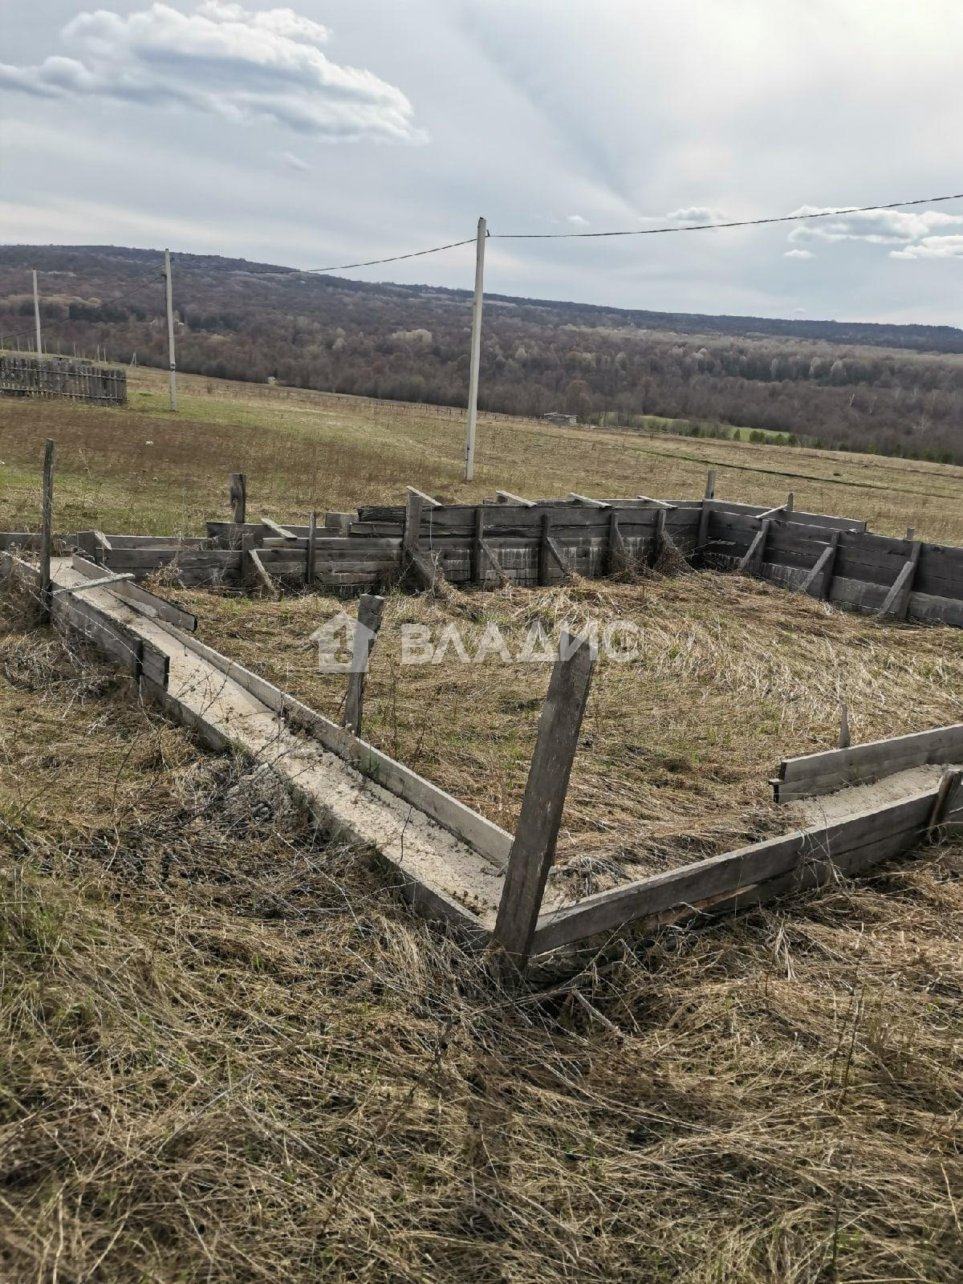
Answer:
(170, 327)
(476, 321)
(36, 314)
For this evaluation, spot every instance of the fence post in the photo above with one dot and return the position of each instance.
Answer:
(710, 495)
(309, 553)
(46, 530)
(238, 498)
(533, 849)
(370, 611)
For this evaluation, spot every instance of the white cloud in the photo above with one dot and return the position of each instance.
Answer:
(932, 247)
(224, 59)
(696, 214)
(876, 227)
(576, 219)
(799, 254)
(293, 162)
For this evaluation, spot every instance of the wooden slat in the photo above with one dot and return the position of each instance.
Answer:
(859, 764)
(140, 599)
(811, 854)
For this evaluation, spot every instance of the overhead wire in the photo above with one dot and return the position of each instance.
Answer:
(650, 231)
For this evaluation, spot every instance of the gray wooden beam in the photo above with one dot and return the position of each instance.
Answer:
(541, 815)
(370, 611)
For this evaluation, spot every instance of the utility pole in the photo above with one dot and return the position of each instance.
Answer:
(476, 322)
(36, 314)
(170, 327)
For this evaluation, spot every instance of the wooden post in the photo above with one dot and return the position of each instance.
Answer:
(790, 502)
(658, 538)
(703, 535)
(412, 533)
(46, 530)
(752, 562)
(543, 548)
(370, 611)
(170, 327)
(616, 555)
(474, 359)
(309, 552)
(819, 580)
(948, 782)
(844, 737)
(238, 498)
(897, 599)
(533, 850)
(477, 572)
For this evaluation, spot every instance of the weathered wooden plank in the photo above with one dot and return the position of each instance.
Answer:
(140, 599)
(818, 580)
(860, 764)
(46, 526)
(506, 497)
(370, 611)
(487, 838)
(283, 531)
(936, 610)
(814, 855)
(237, 496)
(896, 602)
(541, 813)
(425, 499)
(753, 560)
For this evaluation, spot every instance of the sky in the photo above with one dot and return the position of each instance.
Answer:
(332, 131)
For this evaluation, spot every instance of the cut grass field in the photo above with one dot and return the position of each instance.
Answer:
(228, 1053)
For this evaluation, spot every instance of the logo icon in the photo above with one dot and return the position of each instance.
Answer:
(343, 644)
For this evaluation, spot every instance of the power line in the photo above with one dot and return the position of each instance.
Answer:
(748, 222)
(395, 258)
(650, 231)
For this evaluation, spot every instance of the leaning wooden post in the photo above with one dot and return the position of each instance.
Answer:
(309, 552)
(238, 498)
(703, 536)
(370, 611)
(533, 850)
(46, 530)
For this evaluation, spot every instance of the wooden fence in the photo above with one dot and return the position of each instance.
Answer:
(26, 376)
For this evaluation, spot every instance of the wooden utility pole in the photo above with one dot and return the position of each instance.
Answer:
(170, 327)
(475, 361)
(541, 816)
(46, 530)
(36, 314)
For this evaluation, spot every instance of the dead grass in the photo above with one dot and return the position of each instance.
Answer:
(142, 470)
(229, 1054)
(677, 746)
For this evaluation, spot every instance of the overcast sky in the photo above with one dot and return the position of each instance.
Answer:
(335, 130)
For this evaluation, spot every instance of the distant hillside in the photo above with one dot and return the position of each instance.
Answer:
(893, 388)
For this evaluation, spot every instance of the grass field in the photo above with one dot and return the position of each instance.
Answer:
(226, 1051)
(142, 470)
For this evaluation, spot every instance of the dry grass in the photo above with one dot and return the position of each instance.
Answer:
(677, 746)
(228, 1054)
(142, 470)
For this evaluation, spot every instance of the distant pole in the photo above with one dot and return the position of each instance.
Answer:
(170, 327)
(476, 323)
(36, 314)
(46, 530)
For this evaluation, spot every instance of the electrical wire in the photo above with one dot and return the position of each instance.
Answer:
(649, 231)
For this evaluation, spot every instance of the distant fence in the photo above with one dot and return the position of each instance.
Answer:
(25, 376)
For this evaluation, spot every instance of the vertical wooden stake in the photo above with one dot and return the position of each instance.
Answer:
(46, 530)
(790, 502)
(543, 548)
(309, 553)
(412, 533)
(238, 498)
(703, 536)
(533, 850)
(844, 738)
(370, 611)
(658, 538)
(477, 556)
(948, 782)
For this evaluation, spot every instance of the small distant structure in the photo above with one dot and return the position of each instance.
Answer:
(26, 376)
(556, 417)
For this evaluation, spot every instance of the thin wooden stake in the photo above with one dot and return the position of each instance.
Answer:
(46, 530)
(844, 737)
(703, 536)
(310, 550)
(658, 537)
(948, 782)
(543, 551)
(477, 567)
(370, 611)
(541, 816)
(238, 498)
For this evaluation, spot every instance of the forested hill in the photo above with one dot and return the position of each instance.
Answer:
(893, 388)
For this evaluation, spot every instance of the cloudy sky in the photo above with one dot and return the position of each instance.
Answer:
(336, 130)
